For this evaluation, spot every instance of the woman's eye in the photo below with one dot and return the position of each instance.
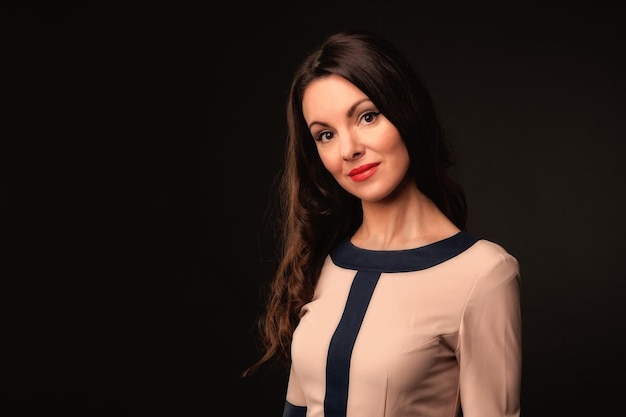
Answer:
(369, 117)
(324, 136)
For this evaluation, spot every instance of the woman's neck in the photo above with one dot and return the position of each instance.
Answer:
(406, 220)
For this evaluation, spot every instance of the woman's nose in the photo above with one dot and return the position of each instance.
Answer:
(351, 146)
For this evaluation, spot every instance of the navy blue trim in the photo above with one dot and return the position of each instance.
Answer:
(342, 342)
(346, 255)
(291, 410)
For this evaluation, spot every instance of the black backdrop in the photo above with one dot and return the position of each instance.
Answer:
(139, 146)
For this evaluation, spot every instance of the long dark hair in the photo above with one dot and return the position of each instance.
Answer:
(315, 211)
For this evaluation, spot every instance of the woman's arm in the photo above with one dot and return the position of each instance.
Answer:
(490, 343)
(295, 405)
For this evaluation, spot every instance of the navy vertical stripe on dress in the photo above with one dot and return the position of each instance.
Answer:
(342, 343)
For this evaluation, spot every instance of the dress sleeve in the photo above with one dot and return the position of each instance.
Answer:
(490, 343)
(295, 404)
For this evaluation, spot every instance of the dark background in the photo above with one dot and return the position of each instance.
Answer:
(138, 150)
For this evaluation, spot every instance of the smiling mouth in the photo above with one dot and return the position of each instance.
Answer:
(363, 172)
(362, 168)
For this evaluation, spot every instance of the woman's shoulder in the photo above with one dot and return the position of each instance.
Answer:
(491, 249)
(493, 260)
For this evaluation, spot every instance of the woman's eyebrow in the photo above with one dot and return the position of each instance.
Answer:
(355, 105)
(349, 113)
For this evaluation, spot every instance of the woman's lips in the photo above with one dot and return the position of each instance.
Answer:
(363, 172)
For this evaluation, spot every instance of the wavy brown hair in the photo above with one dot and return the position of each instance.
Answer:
(315, 211)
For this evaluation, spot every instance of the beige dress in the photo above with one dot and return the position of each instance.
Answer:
(419, 332)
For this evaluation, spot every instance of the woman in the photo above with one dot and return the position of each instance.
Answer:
(383, 305)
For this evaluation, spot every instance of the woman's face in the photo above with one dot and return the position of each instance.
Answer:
(357, 144)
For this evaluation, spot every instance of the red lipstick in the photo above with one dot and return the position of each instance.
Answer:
(363, 172)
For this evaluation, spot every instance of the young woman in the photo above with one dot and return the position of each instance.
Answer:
(383, 304)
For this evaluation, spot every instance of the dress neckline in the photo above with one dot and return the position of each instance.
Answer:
(346, 255)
